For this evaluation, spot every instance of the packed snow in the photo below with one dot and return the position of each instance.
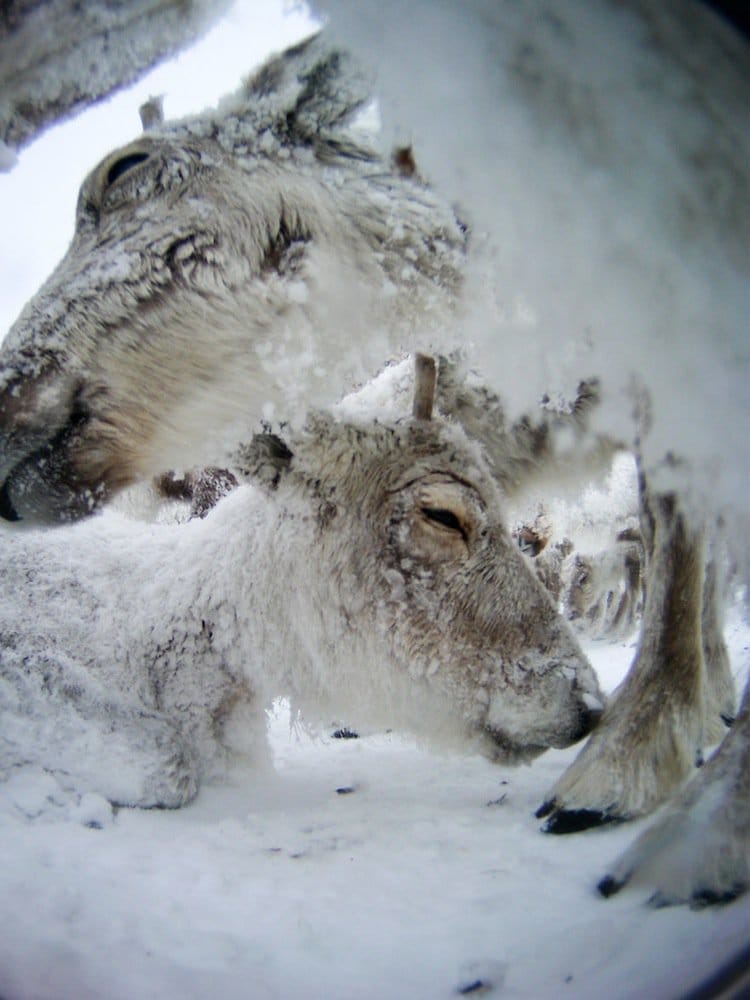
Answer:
(355, 868)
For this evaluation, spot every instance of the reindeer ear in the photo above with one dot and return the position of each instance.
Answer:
(264, 460)
(305, 98)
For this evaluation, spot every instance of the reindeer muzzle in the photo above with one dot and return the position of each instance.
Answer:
(40, 420)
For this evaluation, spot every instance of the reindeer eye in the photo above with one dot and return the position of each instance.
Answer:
(445, 518)
(125, 163)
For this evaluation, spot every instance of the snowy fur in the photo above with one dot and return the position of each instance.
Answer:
(602, 592)
(372, 578)
(58, 57)
(654, 730)
(250, 262)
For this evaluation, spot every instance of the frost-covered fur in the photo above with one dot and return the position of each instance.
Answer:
(652, 734)
(602, 591)
(698, 850)
(676, 699)
(370, 577)
(257, 259)
(548, 566)
(58, 56)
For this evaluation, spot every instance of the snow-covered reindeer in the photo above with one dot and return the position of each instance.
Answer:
(57, 58)
(370, 575)
(242, 234)
(211, 251)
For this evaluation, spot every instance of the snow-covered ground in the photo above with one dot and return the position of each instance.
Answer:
(362, 868)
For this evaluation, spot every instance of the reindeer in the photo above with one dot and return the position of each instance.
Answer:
(57, 57)
(244, 233)
(602, 590)
(367, 570)
(210, 251)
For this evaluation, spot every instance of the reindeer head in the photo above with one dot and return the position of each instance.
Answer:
(417, 585)
(206, 255)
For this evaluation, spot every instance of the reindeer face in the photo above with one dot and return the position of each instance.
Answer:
(136, 335)
(472, 620)
(207, 254)
(425, 591)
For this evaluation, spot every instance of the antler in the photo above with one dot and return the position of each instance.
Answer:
(152, 113)
(425, 378)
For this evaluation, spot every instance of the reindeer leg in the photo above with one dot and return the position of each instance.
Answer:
(720, 695)
(649, 737)
(698, 852)
(57, 717)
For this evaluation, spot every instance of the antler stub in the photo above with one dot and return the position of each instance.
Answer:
(425, 378)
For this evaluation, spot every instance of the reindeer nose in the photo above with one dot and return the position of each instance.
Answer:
(33, 408)
(37, 413)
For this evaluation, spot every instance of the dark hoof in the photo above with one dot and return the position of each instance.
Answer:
(710, 897)
(474, 988)
(609, 886)
(7, 510)
(572, 820)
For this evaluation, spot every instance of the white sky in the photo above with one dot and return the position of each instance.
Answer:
(38, 197)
